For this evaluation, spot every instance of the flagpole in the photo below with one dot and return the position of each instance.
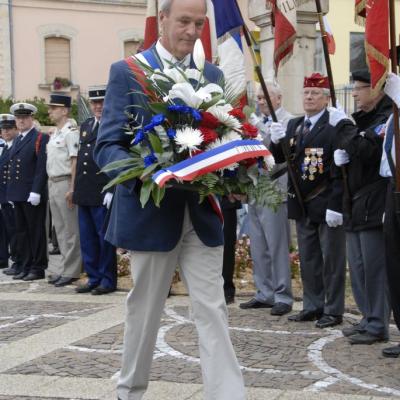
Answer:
(285, 148)
(393, 57)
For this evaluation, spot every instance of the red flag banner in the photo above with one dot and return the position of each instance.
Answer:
(377, 41)
(360, 12)
(151, 28)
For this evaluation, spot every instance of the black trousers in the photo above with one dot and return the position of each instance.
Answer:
(230, 225)
(392, 240)
(32, 241)
(8, 233)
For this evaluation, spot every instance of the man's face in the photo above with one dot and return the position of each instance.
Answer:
(57, 113)
(97, 108)
(9, 134)
(314, 100)
(262, 103)
(182, 26)
(363, 96)
(24, 122)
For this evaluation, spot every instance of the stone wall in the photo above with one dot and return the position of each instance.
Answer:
(5, 51)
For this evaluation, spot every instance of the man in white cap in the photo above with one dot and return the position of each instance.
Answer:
(27, 189)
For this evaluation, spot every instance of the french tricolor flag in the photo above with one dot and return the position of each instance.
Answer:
(330, 40)
(151, 28)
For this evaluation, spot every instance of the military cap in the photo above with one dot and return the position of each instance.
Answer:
(316, 80)
(361, 75)
(97, 92)
(7, 121)
(60, 100)
(23, 109)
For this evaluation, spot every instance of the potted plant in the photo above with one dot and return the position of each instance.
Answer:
(61, 84)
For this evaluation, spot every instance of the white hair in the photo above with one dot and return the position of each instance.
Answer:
(273, 87)
(165, 5)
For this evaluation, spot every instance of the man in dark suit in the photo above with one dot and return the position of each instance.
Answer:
(8, 243)
(27, 189)
(181, 232)
(99, 256)
(311, 142)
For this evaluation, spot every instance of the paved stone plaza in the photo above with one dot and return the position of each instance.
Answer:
(55, 344)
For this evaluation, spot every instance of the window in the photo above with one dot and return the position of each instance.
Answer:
(57, 58)
(130, 47)
(357, 52)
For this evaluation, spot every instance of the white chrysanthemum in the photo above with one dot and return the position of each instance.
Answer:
(188, 139)
(222, 115)
(269, 161)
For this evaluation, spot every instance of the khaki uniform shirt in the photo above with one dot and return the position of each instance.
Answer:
(63, 145)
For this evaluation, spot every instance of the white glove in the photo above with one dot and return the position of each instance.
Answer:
(258, 122)
(107, 200)
(34, 199)
(11, 204)
(278, 132)
(341, 157)
(333, 218)
(336, 115)
(392, 88)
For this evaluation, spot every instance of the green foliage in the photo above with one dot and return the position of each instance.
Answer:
(42, 114)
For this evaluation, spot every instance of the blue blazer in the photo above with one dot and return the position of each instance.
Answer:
(131, 226)
(4, 158)
(27, 167)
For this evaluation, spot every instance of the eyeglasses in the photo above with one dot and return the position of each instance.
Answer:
(358, 88)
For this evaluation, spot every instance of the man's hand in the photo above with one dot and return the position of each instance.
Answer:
(68, 198)
(392, 88)
(107, 200)
(333, 218)
(341, 157)
(278, 132)
(336, 115)
(34, 198)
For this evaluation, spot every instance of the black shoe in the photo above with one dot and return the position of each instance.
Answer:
(11, 271)
(352, 330)
(85, 288)
(55, 251)
(64, 281)
(366, 338)
(21, 275)
(33, 276)
(53, 279)
(102, 290)
(253, 303)
(305, 315)
(281, 309)
(3, 265)
(327, 321)
(391, 352)
(229, 299)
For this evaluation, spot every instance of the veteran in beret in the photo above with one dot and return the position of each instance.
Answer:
(27, 190)
(62, 152)
(99, 256)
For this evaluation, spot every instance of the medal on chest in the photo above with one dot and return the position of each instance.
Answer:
(312, 163)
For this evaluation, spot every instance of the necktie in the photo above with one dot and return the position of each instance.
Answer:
(306, 127)
(389, 137)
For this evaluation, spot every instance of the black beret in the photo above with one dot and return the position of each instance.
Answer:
(361, 75)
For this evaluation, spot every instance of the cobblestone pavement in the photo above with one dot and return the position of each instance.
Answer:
(55, 344)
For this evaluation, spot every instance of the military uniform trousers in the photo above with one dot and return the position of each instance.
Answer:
(322, 253)
(65, 222)
(392, 240)
(201, 271)
(366, 256)
(269, 245)
(99, 256)
(30, 225)
(8, 236)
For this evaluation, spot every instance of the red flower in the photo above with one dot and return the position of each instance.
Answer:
(209, 135)
(237, 113)
(249, 130)
(249, 162)
(209, 121)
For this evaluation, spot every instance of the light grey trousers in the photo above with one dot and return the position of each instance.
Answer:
(65, 222)
(322, 253)
(269, 245)
(201, 271)
(366, 255)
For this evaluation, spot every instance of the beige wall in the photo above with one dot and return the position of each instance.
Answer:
(97, 31)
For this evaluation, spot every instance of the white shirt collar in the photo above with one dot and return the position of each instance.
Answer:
(166, 55)
(9, 143)
(314, 119)
(24, 133)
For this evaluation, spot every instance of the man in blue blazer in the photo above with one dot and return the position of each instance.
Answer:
(27, 189)
(181, 232)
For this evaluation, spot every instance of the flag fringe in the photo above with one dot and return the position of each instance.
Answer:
(281, 50)
(381, 59)
(360, 9)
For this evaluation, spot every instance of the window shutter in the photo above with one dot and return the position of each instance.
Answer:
(58, 58)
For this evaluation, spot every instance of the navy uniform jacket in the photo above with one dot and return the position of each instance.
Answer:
(27, 167)
(88, 182)
(325, 190)
(4, 159)
(150, 228)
